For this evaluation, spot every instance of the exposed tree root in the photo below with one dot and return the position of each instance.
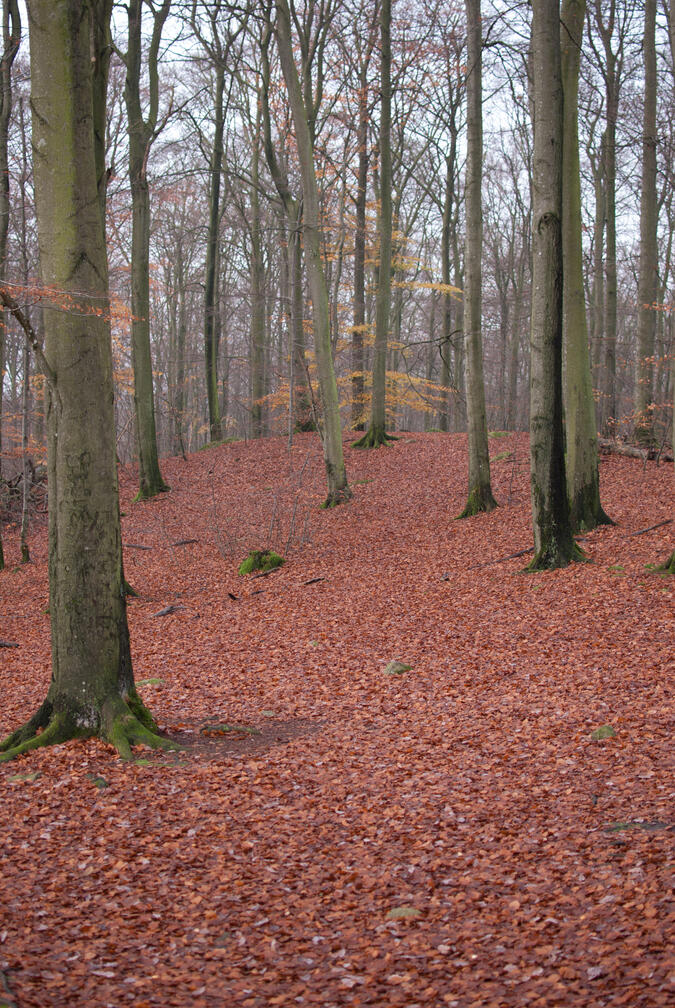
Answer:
(480, 501)
(373, 438)
(121, 722)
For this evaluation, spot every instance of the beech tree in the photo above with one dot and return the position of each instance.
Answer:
(580, 426)
(480, 491)
(376, 433)
(92, 688)
(11, 37)
(648, 278)
(336, 474)
(553, 540)
(142, 132)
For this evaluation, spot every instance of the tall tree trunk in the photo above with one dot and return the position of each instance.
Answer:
(358, 331)
(257, 328)
(669, 565)
(301, 417)
(648, 280)
(211, 278)
(25, 420)
(141, 135)
(553, 540)
(447, 305)
(11, 38)
(605, 17)
(336, 474)
(598, 327)
(480, 491)
(92, 689)
(376, 433)
(581, 434)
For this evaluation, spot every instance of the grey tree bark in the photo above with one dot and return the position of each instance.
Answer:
(11, 39)
(142, 133)
(648, 278)
(553, 541)
(92, 688)
(376, 434)
(580, 427)
(300, 403)
(336, 474)
(669, 565)
(480, 491)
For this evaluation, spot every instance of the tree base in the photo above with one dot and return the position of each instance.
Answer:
(336, 497)
(555, 555)
(147, 491)
(121, 722)
(373, 438)
(480, 501)
(669, 566)
(586, 511)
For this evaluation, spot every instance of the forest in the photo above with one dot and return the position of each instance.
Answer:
(336, 486)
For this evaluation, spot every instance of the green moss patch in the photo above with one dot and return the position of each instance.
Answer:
(260, 560)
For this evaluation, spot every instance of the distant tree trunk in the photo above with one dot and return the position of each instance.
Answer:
(376, 434)
(445, 346)
(25, 420)
(301, 417)
(553, 540)
(598, 327)
(336, 474)
(257, 328)
(648, 279)
(581, 434)
(11, 39)
(605, 19)
(211, 278)
(358, 332)
(480, 491)
(92, 689)
(141, 135)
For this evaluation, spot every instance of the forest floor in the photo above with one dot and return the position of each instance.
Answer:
(330, 834)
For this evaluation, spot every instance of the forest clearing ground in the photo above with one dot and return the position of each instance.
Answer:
(451, 836)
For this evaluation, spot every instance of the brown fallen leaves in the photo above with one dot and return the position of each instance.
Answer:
(449, 836)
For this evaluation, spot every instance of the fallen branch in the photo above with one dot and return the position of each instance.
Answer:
(313, 580)
(182, 542)
(168, 610)
(7, 643)
(666, 521)
(491, 563)
(611, 447)
(137, 546)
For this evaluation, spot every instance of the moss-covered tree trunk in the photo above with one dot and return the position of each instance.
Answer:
(142, 132)
(553, 540)
(480, 491)
(580, 426)
(336, 473)
(92, 687)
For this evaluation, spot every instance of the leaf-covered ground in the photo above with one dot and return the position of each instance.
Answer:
(453, 835)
